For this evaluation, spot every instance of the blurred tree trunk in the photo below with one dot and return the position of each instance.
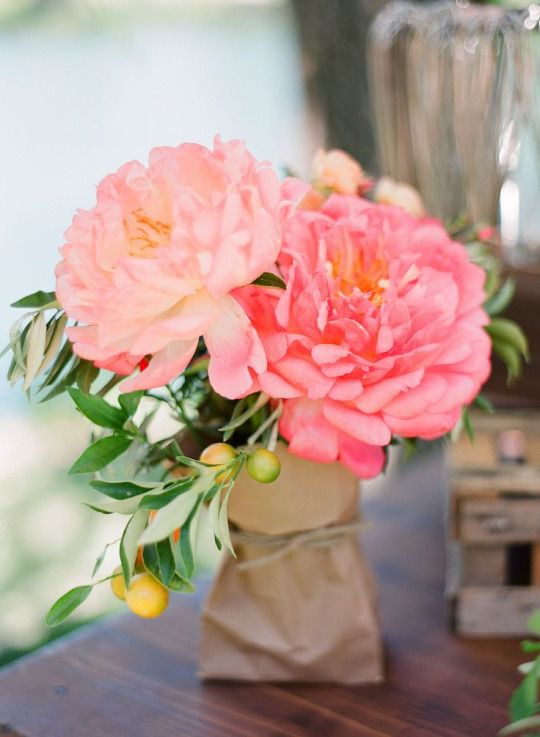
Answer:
(333, 36)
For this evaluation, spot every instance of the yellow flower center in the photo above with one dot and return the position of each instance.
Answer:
(350, 271)
(145, 234)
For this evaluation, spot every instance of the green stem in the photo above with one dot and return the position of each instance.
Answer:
(181, 411)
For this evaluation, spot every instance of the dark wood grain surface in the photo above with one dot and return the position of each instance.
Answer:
(130, 677)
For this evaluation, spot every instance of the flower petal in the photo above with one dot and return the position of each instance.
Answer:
(365, 461)
(368, 428)
(235, 350)
(309, 434)
(164, 366)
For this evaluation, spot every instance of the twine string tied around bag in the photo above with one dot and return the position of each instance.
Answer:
(283, 545)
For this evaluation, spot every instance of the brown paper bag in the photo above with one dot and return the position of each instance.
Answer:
(307, 613)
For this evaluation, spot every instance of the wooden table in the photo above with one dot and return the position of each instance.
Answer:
(129, 677)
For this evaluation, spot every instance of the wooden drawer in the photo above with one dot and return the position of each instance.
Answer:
(495, 611)
(501, 520)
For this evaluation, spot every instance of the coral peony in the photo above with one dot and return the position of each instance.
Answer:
(151, 267)
(379, 332)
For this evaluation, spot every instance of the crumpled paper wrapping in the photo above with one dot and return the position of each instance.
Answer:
(308, 616)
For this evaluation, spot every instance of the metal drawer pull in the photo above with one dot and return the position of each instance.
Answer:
(497, 524)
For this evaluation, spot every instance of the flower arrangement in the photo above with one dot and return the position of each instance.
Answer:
(332, 316)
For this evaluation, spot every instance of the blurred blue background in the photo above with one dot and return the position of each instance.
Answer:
(85, 86)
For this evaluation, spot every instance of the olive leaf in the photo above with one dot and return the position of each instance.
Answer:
(58, 325)
(87, 373)
(36, 349)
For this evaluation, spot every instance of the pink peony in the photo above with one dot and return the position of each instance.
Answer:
(152, 266)
(379, 332)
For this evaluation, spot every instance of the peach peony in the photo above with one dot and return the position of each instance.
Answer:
(390, 192)
(379, 332)
(152, 266)
(338, 171)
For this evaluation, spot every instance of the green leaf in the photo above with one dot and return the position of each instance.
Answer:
(174, 514)
(122, 489)
(533, 623)
(410, 447)
(87, 373)
(130, 402)
(516, 727)
(191, 463)
(167, 563)
(530, 646)
(186, 551)
(165, 567)
(508, 332)
(157, 561)
(129, 544)
(67, 604)
(219, 522)
(98, 410)
(120, 506)
(525, 697)
(511, 359)
(184, 547)
(224, 533)
(484, 404)
(165, 497)
(99, 560)
(501, 299)
(213, 517)
(181, 585)
(36, 299)
(269, 280)
(467, 424)
(493, 276)
(101, 453)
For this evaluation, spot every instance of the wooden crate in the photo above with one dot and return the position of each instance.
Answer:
(493, 516)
